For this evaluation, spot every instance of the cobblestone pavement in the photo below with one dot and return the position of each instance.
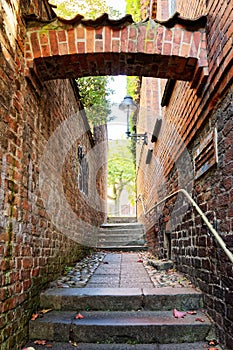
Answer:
(82, 273)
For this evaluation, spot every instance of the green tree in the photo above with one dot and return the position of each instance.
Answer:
(133, 7)
(94, 95)
(70, 8)
(88, 8)
(121, 172)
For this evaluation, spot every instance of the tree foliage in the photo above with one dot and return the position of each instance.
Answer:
(94, 95)
(133, 7)
(87, 8)
(121, 170)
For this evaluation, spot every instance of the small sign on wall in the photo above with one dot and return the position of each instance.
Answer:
(206, 155)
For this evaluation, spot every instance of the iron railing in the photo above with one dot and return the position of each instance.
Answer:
(200, 212)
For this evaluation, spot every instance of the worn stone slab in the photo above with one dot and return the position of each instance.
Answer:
(53, 326)
(120, 327)
(92, 298)
(125, 248)
(82, 346)
(168, 298)
(104, 278)
(92, 346)
(132, 284)
(103, 285)
(144, 327)
(161, 265)
(117, 226)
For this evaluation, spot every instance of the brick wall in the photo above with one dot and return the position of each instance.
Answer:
(190, 116)
(33, 251)
(193, 248)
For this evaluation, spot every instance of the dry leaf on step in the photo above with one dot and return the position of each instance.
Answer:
(40, 342)
(178, 314)
(34, 317)
(44, 311)
(192, 312)
(198, 319)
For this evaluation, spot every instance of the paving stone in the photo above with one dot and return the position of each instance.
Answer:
(169, 298)
(94, 346)
(120, 327)
(92, 299)
(186, 346)
(53, 326)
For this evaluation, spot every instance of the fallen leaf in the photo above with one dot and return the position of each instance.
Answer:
(74, 343)
(79, 316)
(49, 346)
(140, 261)
(34, 317)
(213, 342)
(192, 312)
(178, 314)
(40, 342)
(45, 311)
(199, 319)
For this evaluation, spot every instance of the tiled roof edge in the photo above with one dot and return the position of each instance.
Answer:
(104, 20)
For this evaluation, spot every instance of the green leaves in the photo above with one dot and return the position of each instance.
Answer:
(121, 169)
(133, 7)
(94, 94)
(91, 9)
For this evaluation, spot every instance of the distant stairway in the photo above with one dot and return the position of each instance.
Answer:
(122, 236)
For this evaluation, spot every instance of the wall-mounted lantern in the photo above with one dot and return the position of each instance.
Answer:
(156, 130)
(149, 156)
(128, 105)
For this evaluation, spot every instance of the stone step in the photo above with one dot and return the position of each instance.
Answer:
(123, 233)
(115, 236)
(121, 242)
(120, 327)
(122, 248)
(121, 219)
(119, 299)
(123, 239)
(94, 346)
(125, 226)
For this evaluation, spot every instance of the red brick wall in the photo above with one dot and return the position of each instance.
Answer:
(33, 251)
(194, 114)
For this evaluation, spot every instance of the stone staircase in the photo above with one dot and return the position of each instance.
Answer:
(136, 316)
(122, 236)
(122, 316)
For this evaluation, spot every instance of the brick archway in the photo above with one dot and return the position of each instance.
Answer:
(175, 49)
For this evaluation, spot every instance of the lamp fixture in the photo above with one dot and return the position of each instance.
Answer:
(128, 105)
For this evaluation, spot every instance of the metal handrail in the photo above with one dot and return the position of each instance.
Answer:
(198, 209)
(140, 198)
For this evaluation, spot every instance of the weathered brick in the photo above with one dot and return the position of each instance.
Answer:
(35, 46)
(61, 34)
(71, 41)
(53, 42)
